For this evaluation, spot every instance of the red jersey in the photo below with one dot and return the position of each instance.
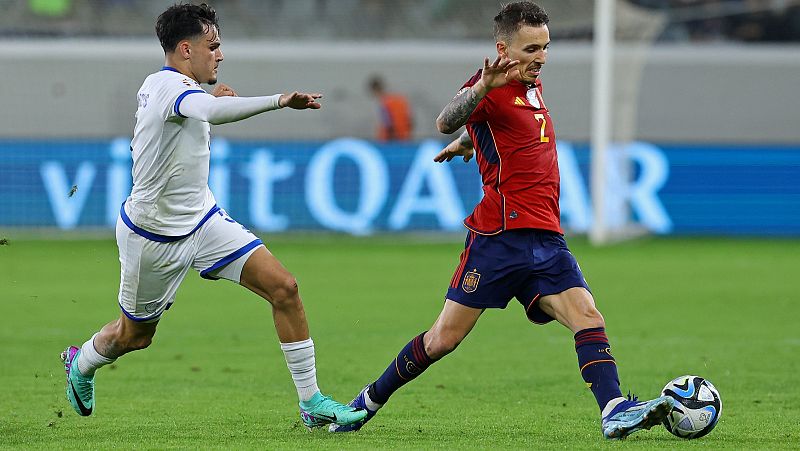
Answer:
(515, 147)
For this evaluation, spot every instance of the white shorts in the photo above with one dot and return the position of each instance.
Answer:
(152, 271)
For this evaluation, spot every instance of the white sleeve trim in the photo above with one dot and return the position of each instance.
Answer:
(221, 110)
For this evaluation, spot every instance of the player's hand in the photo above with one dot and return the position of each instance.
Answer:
(453, 150)
(500, 72)
(300, 101)
(223, 90)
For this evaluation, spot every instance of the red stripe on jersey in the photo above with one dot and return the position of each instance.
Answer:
(464, 257)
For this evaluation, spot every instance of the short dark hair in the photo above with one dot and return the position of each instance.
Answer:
(514, 15)
(376, 83)
(184, 21)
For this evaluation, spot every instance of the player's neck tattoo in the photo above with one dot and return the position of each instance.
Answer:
(455, 114)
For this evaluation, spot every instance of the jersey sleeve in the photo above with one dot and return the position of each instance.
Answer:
(222, 110)
(479, 114)
(175, 90)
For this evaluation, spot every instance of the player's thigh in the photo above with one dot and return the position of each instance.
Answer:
(229, 251)
(555, 282)
(574, 308)
(489, 272)
(223, 248)
(264, 274)
(150, 273)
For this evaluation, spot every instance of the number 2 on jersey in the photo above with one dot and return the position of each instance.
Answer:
(540, 117)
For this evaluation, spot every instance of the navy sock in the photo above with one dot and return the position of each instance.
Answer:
(597, 365)
(409, 364)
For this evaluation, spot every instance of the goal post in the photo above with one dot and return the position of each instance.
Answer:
(602, 93)
(623, 36)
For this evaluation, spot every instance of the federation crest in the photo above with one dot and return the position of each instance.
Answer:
(471, 279)
(533, 99)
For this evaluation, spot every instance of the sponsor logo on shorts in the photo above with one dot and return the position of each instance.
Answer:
(471, 280)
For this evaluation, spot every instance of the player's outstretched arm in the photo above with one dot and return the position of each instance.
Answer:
(455, 114)
(460, 146)
(229, 108)
(300, 101)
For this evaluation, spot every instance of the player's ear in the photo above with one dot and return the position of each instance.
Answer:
(184, 49)
(502, 49)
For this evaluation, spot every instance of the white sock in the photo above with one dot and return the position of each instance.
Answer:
(610, 406)
(371, 405)
(90, 360)
(300, 360)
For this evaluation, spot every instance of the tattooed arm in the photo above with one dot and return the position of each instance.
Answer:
(455, 114)
(460, 146)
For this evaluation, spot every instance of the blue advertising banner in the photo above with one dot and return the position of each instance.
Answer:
(359, 187)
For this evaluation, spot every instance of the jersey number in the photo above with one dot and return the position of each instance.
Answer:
(542, 137)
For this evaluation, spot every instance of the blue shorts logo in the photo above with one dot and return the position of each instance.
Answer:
(471, 280)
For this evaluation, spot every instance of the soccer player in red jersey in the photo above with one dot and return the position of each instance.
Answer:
(515, 247)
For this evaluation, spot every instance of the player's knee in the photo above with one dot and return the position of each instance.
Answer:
(284, 294)
(441, 345)
(592, 317)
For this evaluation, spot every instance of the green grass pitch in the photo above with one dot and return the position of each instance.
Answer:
(725, 309)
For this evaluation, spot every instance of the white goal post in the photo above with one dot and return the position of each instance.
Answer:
(602, 95)
(615, 99)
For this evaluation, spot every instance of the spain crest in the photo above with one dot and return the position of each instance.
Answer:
(532, 98)
(471, 280)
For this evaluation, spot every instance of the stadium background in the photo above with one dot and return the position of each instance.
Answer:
(706, 90)
(705, 109)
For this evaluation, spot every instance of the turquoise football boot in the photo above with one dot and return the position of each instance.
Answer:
(632, 415)
(80, 389)
(321, 410)
(358, 403)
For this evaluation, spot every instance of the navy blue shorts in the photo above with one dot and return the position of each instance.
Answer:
(522, 263)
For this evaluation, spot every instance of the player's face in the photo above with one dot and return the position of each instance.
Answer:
(205, 56)
(529, 46)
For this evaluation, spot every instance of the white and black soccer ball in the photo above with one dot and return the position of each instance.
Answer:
(697, 406)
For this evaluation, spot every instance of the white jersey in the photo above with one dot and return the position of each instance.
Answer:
(171, 153)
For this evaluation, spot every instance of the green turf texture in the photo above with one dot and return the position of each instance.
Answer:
(724, 309)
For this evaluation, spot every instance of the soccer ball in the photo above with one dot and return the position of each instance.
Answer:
(697, 406)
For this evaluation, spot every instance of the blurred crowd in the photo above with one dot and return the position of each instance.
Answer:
(676, 20)
(728, 20)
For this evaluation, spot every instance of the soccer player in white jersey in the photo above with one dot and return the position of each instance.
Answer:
(171, 223)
